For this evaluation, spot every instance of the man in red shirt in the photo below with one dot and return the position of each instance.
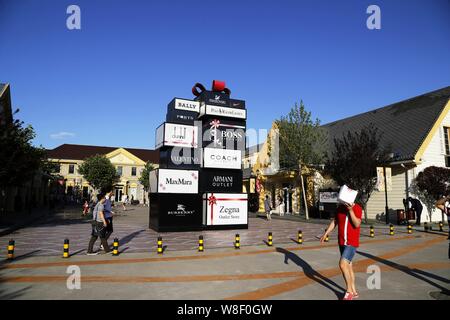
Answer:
(348, 220)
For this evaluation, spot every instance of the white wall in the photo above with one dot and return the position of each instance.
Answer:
(433, 156)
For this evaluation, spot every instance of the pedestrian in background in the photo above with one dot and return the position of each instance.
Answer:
(98, 227)
(444, 205)
(267, 208)
(417, 206)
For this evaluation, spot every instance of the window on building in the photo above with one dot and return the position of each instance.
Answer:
(447, 145)
(119, 170)
(133, 171)
(71, 168)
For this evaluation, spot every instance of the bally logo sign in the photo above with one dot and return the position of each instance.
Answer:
(218, 111)
(225, 209)
(186, 105)
(176, 135)
(174, 181)
(222, 158)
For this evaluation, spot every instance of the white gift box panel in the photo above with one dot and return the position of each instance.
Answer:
(225, 209)
(218, 111)
(173, 181)
(347, 195)
(176, 135)
(222, 158)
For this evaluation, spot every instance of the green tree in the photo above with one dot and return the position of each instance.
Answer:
(301, 142)
(144, 179)
(19, 159)
(354, 159)
(99, 172)
(301, 139)
(430, 185)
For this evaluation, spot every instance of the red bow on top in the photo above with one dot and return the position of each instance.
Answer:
(217, 86)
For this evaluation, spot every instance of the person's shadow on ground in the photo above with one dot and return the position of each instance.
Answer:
(416, 273)
(311, 273)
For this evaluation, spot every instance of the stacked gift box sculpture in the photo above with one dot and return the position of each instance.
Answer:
(198, 184)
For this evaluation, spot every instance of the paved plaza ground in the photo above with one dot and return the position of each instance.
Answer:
(412, 266)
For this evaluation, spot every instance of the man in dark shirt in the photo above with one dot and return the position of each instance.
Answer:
(417, 206)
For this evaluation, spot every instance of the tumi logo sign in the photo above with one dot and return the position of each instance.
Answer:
(222, 158)
(218, 111)
(187, 105)
(177, 181)
(177, 135)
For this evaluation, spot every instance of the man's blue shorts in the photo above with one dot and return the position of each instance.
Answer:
(347, 253)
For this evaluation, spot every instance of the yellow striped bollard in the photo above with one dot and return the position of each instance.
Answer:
(200, 244)
(115, 247)
(237, 241)
(160, 245)
(441, 226)
(327, 238)
(391, 229)
(409, 228)
(269, 239)
(66, 248)
(372, 232)
(300, 237)
(425, 226)
(11, 246)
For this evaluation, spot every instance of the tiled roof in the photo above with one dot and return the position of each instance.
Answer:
(81, 152)
(404, 125)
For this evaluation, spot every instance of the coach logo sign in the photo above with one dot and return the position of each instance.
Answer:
(177, 135)
(175, 181)
(222, 158)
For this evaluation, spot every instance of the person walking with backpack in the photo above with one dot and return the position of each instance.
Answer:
(98, 227)
(348, 221)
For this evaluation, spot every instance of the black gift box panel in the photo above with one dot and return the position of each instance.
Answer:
(175, 212)
(180, 158)
(217, 180)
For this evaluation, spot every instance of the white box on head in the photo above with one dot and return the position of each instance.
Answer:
(347, 195)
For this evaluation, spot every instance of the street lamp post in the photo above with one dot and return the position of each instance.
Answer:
(386, 196)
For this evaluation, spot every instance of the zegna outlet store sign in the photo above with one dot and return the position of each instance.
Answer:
(198, 184)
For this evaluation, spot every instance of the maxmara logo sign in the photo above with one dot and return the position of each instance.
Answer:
(222, 158)
(175, 181)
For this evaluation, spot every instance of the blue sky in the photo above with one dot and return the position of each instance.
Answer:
(109, 83)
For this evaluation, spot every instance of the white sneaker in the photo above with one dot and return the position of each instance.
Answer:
(92, 253)
(101, 247)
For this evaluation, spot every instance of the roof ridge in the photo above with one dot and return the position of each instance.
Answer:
(388, 106)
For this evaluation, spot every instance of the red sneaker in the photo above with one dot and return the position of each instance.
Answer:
(348, 296)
